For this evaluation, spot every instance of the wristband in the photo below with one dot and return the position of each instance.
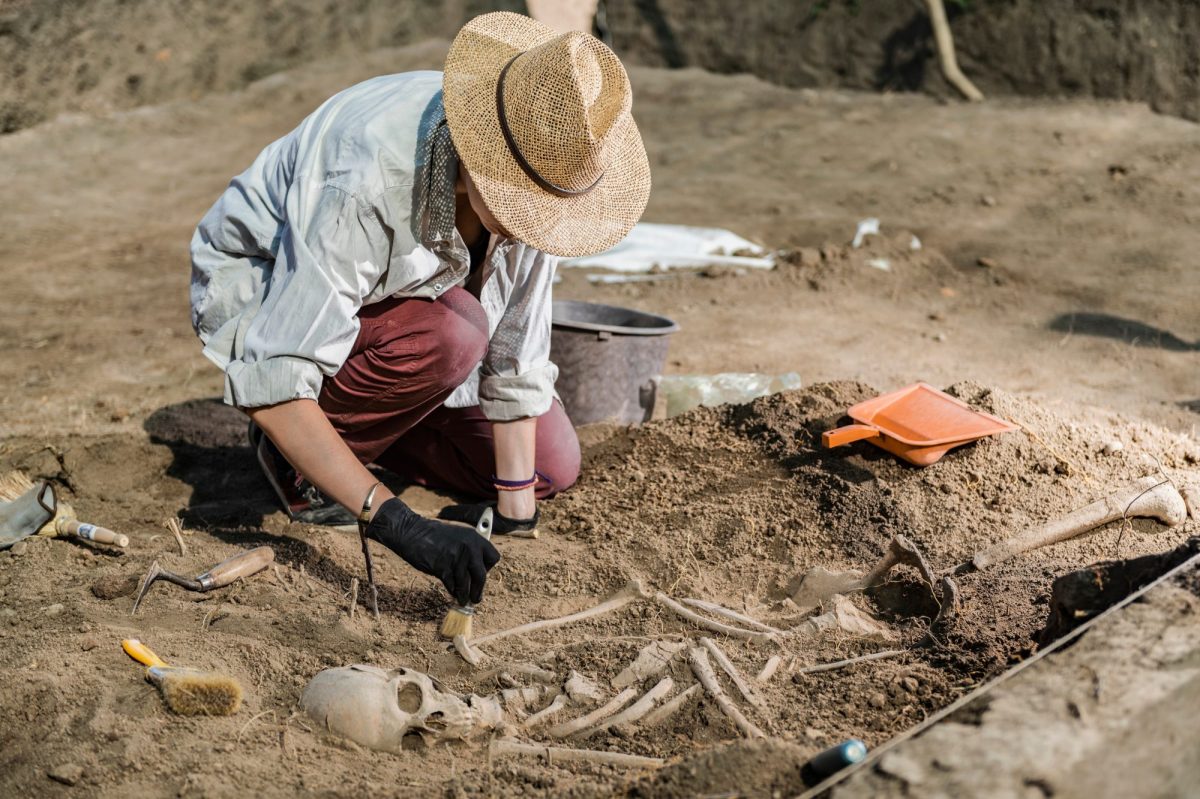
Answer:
(517, 485)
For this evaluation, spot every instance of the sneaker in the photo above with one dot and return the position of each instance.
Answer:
(301, 500)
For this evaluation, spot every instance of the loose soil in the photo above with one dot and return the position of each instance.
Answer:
(108, 395)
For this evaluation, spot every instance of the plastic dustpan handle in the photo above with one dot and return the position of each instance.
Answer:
(848, 434)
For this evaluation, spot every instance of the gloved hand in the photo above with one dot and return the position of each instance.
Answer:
(459, 557)
(501, 525)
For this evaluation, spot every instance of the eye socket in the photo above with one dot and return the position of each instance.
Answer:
(409, 697)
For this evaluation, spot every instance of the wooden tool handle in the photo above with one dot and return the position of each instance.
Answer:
(141, 653)
(242, 565)
(91, 532)
(848, 434)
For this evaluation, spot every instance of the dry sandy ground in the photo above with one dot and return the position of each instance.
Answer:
(1084, 210)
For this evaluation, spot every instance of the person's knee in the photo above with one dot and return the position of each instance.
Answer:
(461, 337)
(558, 457)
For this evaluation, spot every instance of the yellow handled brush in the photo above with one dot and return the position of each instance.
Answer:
(458, 619)
(188, 692)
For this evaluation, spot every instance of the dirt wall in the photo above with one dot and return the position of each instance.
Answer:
(93, 55)
(1146, 50)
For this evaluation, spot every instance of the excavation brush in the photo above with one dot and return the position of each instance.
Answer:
(188, 692)
(245, 564)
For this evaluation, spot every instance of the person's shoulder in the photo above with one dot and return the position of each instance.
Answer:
(405, 87)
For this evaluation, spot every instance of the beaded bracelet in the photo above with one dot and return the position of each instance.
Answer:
(517, 485)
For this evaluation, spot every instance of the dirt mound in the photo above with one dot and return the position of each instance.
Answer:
(726, 504)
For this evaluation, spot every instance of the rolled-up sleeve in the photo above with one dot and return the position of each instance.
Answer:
(517, 377)
(306, 326)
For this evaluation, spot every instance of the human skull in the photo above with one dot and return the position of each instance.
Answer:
(377, 708)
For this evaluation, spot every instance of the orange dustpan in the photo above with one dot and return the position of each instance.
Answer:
(917, 423)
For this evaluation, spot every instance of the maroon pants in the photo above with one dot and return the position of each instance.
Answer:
(386, 400)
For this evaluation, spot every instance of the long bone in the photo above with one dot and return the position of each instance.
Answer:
(553, 753)
(631, 591)
(1150, 497)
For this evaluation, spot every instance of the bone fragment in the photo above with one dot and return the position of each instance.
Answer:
(561, 754)
(709, 624)
(735, 675)
(635, 711)
(670, 707)
(820, 584)
(525, 669)
(1191, 498)
(588, 719)
(841, 664)
(651, 660)
(732, 615)
(466, 651)
(633, 590)
(519, 701)
(698, 657)
(1150, 497)
(768, 670)
(582, 690)
(546, 713)
(847, 617)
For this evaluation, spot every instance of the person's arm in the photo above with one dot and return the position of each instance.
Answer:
(306, 438)
(514, 443)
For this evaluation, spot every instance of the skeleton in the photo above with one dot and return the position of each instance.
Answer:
(378, 708)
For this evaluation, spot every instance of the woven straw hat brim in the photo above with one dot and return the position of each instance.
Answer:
(565, 226)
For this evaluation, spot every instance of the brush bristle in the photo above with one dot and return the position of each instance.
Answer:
(13, 485)
(457, 622)
(198, 693)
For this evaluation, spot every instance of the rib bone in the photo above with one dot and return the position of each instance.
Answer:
(636, 710)
(732, 615)
(583, 722)
(545, 713)
(669, 707)
(735, 676)
(709, 624)
(703, 670)
(1150, 497)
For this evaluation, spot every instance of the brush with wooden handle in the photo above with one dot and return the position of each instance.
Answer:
(188, 692)
(459, 619)
(244, 564)
(65, 522)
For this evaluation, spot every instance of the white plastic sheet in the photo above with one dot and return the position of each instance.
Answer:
(675, 246)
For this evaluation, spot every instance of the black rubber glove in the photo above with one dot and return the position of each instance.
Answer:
(459, 557)
(501, 525)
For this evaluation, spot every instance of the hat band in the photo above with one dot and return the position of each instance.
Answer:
(518, 156)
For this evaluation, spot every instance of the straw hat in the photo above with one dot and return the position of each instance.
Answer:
(542, 122)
